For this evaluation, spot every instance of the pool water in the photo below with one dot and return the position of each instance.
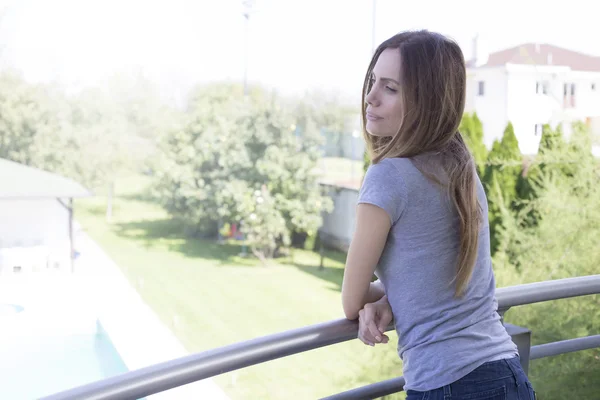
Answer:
(32, 366)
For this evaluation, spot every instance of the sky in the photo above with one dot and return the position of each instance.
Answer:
(292, 45)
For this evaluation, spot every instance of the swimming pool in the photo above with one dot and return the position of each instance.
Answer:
(59, 332)
(33, 366)
(51, 337)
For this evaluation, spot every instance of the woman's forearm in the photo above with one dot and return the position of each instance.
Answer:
(376, 292)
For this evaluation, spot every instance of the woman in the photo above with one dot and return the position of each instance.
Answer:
(422, 228)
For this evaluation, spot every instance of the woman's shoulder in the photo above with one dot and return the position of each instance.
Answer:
(388, 174)
(401, 165)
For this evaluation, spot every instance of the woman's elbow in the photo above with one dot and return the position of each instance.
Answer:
(351, 311)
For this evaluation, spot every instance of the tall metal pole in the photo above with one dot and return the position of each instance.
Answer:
(246, 18)
(71, 245)
(373, 26)
(248, 5)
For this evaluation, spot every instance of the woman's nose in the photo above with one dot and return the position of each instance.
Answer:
(371, 98)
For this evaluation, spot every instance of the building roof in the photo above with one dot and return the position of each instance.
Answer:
(21, 181)
(544, 54)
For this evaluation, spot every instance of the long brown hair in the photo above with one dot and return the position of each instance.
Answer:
(433, 86)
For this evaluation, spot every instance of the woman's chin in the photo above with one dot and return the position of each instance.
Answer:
(376, 133)
(374, 130)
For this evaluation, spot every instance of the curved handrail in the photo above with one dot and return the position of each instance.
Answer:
(537, 292)
(372, 391)
(181, 371)
(564, 346)
(195, 367)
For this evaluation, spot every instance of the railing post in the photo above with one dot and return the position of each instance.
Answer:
(522, 338)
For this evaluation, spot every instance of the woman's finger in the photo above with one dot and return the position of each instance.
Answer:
(366, 339)
(363, 332)
(369, 316)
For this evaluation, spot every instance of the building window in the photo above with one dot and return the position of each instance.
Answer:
(593, 86)
(481, 88)
(569, 90)
(541, 87)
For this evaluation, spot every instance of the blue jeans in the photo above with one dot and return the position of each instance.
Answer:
(495, 380)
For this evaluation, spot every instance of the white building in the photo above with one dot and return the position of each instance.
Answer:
(36, 219)
(531, 85)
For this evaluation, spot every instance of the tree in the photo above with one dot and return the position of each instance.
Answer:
(561, 244)
(501, 178)
(92, 136)
(92, 143)
(552, 139)
(580, 143)
(232, 147)
(553, 158)
(578, 149)
(333, 115)
(25, 113)
(264, 224)
(40, 127)
(472, 130)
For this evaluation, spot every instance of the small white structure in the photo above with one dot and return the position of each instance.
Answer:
(36, 219)
(339, 225)
(531, 85)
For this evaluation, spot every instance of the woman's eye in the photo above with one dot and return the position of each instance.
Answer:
(391, 89)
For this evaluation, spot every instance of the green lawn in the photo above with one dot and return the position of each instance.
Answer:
(210, 297)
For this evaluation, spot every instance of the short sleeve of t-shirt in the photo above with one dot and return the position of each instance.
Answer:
(384, 187)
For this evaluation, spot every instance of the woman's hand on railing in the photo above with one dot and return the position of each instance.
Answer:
(373, 320)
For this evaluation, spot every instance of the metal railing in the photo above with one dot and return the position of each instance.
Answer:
(396, 385)
(170, 374)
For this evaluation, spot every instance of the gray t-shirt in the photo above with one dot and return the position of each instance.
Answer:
(441, 338)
